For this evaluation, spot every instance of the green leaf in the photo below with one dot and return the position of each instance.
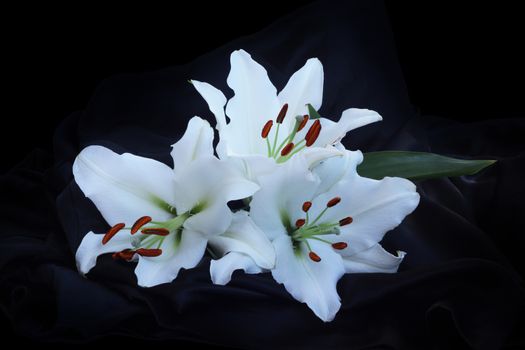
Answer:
(417, 165)
(312, 112)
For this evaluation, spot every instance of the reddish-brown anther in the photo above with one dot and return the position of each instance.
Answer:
(313, 133)
(139, 223)
(160, 231)
(346, 221)
(303, 122)
(314, 257)
(149, 252)
(339, 245)
(333, 202)
(126, 254)
(282, 113)
(300, 222)
(112, 232)
(307, 206)
(287, 149)
(266, 129)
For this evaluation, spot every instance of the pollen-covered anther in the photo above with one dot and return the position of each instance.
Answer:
(139, 223)
(160, 231)
(112, 232)
(300, 222)
(346, 221)
(313, 133)
(287, 149)
(126, 254)
(333, 202)
(266, 129)
(339, 245)
(149, 252)
(303, 122)
(282, 114)
(314, 257)
(306, 206)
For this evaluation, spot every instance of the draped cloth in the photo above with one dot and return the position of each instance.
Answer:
(460, 284)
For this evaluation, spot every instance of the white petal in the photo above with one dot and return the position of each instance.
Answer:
(209, 181)
(375, 206)
(253, 166)
(124, 187)
(215, 100)
(333, 169)
(353, 118)
(187, 253)
(221, 270)
(315, 155)
(305, 86)
(214, 219)
(255, 102)
(313, 283)
(244, 236)
(279, 201)
(91, 248)
(196, 142)
(374, 259)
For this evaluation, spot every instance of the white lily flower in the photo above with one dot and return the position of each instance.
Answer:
(243, 247)
(253, 135)
(173, 212)
(323, 226)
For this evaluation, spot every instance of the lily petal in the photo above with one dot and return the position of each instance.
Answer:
(316, 155)
(332, 169)
(213, 219)
(253, 166)
(221, 270)
(279, 201)
(91, 248)
(215, 100)
(207, 179)
(254, 103)
(187, 253)
(305, 86)
(313, 283)
(125, 187)
(243, 236)
(196, 142)
(374, 259)
(375, 206)
(351, 119)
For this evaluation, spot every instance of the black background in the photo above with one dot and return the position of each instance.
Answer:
(463, 63)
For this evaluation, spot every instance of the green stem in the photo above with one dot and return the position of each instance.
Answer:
(275, 140)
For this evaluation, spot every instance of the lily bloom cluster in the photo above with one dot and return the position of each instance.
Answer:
(309, 217)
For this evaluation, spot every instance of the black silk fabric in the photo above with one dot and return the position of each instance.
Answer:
(460, 285)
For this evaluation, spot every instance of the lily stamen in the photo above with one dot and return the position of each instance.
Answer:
(112, 232)
(314, 256)
(306, 206)
(149, 252)
(303, 122)
(300, 222)
(287, 149)
(282, 113)
(159, 231)
(313, 133)
(333, 202)
(139, 223)
(346, 221)
(339, 245)
(266, 129)
(126, 254)
(305, 231)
